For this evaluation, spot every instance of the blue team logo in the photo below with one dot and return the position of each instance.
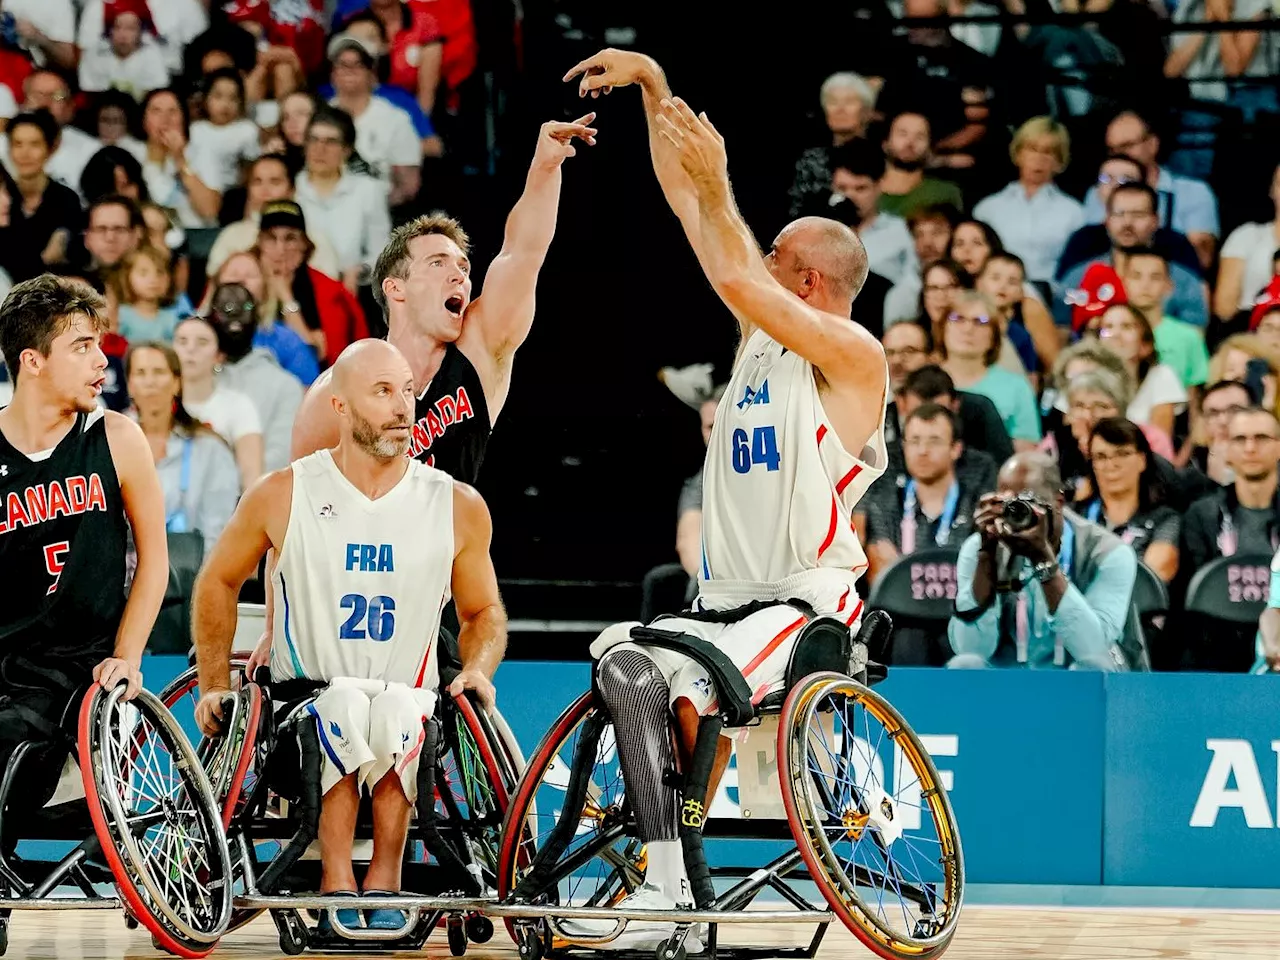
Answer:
(335, 729)
(752, 397)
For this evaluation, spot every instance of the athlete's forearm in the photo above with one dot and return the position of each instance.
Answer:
(482, 641)
(213, 629)
(150, 581)
(672, 178)
(730, 252)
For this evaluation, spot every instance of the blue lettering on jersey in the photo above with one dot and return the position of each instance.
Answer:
(752, 397)
(370, 558)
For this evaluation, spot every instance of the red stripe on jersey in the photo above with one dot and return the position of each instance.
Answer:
(822, 432)
(843, 598)
(848, 479)
(831, 530)
(772, 645)
(422, 670)
(853, 617)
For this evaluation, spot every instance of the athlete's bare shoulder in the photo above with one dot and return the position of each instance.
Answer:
(267, 502)
(472, 525)
(315, 426)
(125, 438)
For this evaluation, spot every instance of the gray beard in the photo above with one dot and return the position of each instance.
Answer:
(371, 440)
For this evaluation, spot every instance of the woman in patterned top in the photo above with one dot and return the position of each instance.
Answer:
(1130, 500)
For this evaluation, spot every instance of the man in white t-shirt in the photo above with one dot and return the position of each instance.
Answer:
(46, 29)
(128, 58)
(46, 90)
(385, 137)
(177, 23)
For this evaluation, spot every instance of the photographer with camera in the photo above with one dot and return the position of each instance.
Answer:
(1038, 585)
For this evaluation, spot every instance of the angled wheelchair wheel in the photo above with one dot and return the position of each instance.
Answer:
(591, 859)
(156, 818)
(885, 853)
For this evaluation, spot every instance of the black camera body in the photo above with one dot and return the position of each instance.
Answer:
(1020, 512)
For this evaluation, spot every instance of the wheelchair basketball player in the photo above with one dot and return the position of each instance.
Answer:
(798, 439)
(371, 544)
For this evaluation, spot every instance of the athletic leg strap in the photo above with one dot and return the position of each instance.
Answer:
(693, 809)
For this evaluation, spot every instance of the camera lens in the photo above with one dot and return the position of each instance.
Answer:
(1019, 515)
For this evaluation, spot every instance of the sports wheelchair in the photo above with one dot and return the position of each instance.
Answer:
(148, 811)
(811, 772)
(265, 773)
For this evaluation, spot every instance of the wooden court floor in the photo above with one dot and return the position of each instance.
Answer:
(986, 933)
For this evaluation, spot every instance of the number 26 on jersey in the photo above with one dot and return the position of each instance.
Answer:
(761, 449)
(371, 618)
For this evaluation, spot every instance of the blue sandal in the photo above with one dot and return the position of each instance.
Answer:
(348, 918)
(385, 919)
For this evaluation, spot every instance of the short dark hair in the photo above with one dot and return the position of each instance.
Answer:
(1142, 188)
(1007, 257)
(1121, 432)
(1155, 254)
(42, 120)
(334, 117)
(134, 210)
(36, 311)
(1228, 385)
(928, 412)
(929, 383)
(99, 176)
(393, 261)
(860, 158)
(934, 211)
(913, 325)
(224, 73)
(279, 158)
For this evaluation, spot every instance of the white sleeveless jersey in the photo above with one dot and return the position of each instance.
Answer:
(779, 489)
(360, 583)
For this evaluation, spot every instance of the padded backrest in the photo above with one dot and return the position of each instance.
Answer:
(1150, 595)
(919, 586)
(1232, 589)
(172, 630)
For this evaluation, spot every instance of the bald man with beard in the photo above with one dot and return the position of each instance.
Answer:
(370, 546)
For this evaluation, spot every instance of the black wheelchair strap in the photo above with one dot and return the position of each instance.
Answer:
(428, 823)
(693, 810)
(736, 614)
(731, 686)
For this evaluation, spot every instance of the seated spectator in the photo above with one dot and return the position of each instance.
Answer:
(47, 216)
(126, 55)
(858, 168)
(925, 502)
(228, 413)
(290, 350)
(1232, 359)
(296, 111)
(931, 303)
(1220, 402)
(1032, 216)
(908, 346)
(1024, 320)
(176, 23)
(385, 137)
(175, 176)
(114, 171)
(1180, 345)
(970, 348)
(254, 371)
(414, 47)
(1264, 320)
(847, 104)
(269, 179)
(1082, 356)
(1070, 582)
(904, 188)
(1129, 495)
(224, 140)
(1185, 205)
(931, 229)
(113, 118)
(142, 292)
(1160, 395)
(48, 90)
(197, 470)
(350, 208)
(1247, 264)
(166, 236)
(316, 307)
(1131, 226)
(1092, 240)
(986, 442)
(116, 228)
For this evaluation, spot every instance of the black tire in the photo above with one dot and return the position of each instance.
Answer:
(479, 928)
(457, 937)
(667, 950)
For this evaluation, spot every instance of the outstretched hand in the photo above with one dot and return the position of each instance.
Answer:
(555, 139)
(611, 68)
(698, 143)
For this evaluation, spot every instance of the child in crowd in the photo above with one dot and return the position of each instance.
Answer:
(141, 288)
(1180, 345)
(225, 136)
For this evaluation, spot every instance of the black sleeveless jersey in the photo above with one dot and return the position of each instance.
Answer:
(62, 552)
(452, 428)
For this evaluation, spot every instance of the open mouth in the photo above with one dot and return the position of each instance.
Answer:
(97, 385)
(454, 305)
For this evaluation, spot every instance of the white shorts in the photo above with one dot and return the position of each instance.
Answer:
(759, 645)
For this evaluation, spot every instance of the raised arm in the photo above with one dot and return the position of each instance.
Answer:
(482, 640)
(262, 512)
(503, 314)
(845, 353)
(144, 506)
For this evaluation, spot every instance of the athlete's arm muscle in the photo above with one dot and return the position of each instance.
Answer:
(482, 640)
(502, 316)
(144, 506)
(315, 427)
(258, 523)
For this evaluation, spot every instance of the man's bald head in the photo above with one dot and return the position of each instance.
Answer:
(817, 245)
(372, 389)
(1034, 471)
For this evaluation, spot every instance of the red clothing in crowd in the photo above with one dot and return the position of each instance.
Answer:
(341, 317)
(298, 24)
(453, 17)
(419, 30)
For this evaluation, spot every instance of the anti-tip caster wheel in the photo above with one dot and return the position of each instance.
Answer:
(293, 935)
(528, 942)
(4, 938)
(670, 950)
(131, 921)
(479, 929)
(457, 937)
